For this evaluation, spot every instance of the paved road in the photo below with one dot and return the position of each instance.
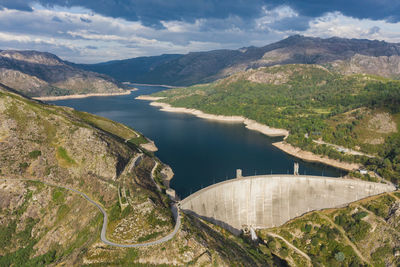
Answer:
(103, 237)
(344, 149)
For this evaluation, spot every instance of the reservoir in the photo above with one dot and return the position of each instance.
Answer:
(200, 152)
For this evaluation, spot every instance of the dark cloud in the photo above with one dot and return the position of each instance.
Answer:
(151, 12)
(222, 13)
(85, 20)
(22, 5)
(300, 23)
(56, 19)
(364, 9)
(374, 29)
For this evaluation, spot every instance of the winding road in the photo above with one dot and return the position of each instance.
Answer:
(103, 237)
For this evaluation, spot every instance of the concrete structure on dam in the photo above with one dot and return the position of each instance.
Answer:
(271, 200)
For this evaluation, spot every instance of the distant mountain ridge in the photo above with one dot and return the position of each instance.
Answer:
(44, 74)
(203, 67)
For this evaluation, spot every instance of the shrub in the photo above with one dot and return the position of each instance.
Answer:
(339, 256)
(35, 154)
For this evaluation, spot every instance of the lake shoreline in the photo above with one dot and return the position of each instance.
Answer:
(264, 129)
(77, 96)
(311, 157)
(249, 124)
(146, 84)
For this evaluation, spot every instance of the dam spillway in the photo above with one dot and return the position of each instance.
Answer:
(271, 200)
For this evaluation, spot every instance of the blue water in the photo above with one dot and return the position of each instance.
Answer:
(200, 152)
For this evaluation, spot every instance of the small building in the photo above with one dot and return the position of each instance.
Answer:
(363, 171)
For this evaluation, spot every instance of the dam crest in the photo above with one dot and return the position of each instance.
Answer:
(266, 201)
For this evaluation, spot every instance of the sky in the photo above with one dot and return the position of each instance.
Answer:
(91, 31)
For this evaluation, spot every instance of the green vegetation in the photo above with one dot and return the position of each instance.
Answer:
(306, 99)
(115, 212)
(115, 128)
(149, 236)
(62, 154)
(21, 257)
(318, 234)
(6, 233)
(154, 221)
(58, 195)
(35, 154)
(356, 228)
(380, 207)
(138, 140)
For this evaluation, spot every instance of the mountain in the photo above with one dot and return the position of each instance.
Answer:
(203, 67)
(43, 74)
(124, 70)
(48, 154)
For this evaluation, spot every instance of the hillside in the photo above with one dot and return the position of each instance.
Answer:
(366, 233)
(45, 148)
(343, 55)
(308, 100)
(43, 74)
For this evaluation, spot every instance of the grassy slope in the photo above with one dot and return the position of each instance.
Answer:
(305, 100)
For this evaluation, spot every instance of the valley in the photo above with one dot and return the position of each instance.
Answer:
(92, 173)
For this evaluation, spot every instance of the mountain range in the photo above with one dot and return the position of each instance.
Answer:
(38, 74)
(343, 55)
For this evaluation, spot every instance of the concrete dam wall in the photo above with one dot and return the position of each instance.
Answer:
(271, 200)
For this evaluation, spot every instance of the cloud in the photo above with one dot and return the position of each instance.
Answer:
(374, 29)
(22, 5)
(153, 12)
(81, 35)
(388, 10)
(85, 20)
(337, 24)
(56, 19)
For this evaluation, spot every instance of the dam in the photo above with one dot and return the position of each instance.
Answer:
(266, 201)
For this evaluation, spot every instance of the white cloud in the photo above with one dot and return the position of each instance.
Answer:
(73, 33)
(336, 24)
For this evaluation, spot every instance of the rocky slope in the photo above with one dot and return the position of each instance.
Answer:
(202, 67)
(43, 224)
(366, 233)
(43, 74)
(386, 66)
